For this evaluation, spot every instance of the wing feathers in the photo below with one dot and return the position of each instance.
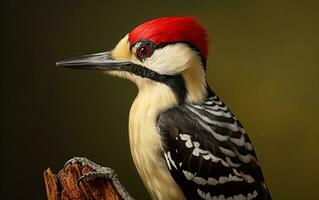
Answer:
(209, 153)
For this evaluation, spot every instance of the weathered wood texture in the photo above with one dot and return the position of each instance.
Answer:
(63, 186)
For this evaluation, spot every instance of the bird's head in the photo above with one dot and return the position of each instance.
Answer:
(170, 51)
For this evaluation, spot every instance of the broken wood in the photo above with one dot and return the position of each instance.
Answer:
(63, 185)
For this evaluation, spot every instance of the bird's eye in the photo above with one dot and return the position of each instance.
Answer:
(144, 51)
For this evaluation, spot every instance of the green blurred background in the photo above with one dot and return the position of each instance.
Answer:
(263, 63)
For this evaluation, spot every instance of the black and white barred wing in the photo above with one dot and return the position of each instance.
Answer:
(209, 153)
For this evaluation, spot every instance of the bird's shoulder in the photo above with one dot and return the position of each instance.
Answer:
(207, 150)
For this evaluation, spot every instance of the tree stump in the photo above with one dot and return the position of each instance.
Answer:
(64, 186)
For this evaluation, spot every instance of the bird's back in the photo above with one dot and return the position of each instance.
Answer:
(209, 154)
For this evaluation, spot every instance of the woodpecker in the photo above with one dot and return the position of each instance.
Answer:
(184, 141)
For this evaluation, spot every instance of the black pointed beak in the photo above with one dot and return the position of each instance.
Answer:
(97, 61)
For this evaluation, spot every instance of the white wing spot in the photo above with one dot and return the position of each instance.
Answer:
(239, 142)
(234, 127)
(184, 136)
(248, 178)
(248, 146)
(246, 158)
(231, 163)
(199, 180)
(253, 195)
(212, 181)
(208, 197)
(216, 135)
(227, 152)
(188, 175)
(223, 179)
(239, 197)
(167, 161)
(189, 143)
(171, 160)
(206, 154)
(201, 194)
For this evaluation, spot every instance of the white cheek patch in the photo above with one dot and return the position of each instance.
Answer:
(171, 59)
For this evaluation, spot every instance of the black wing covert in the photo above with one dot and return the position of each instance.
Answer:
(209, 153)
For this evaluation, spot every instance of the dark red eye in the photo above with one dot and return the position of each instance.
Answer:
(144, 51)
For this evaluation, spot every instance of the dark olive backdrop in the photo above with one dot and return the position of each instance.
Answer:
(263, 63)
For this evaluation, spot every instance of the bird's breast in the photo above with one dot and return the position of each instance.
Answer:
(146, 148)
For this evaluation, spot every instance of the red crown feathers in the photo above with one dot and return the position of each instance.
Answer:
(171, 30)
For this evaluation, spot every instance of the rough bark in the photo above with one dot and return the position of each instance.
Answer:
(63, 185)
